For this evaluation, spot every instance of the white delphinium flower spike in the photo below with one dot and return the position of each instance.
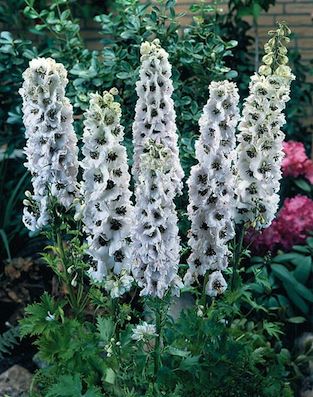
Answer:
(211, 183)
(155, 114)
(155, 234)
(107, 208)
(260, 137)
(51, 149)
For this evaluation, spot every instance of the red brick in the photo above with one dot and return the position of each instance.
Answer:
(263, 20)
(302, 31)
(306, 43)
(294, 20)
(299, 8)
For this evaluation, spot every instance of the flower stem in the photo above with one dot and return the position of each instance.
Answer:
(237, 255)
(159, 308)
(157, 355)
(203, 295)
(62, 255)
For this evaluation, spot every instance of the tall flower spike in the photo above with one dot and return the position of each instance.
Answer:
(155, 233)
(107, 209)
(260, 149)
(155, 114)
(211, 187)
(51, 149)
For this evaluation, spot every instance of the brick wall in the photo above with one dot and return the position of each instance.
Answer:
(297, 13)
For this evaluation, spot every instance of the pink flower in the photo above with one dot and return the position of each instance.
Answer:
(292, 225)
(296, 163)
(308, 170)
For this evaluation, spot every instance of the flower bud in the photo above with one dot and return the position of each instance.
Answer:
(283, 71)
(74, 282)
(282, 59)
(265, 70)
(113, 91)
(268, 59)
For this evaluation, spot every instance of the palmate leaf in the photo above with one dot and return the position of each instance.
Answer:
(190, 364)
(105, 327)
(42, 317)
(272, 329)
(71, 386)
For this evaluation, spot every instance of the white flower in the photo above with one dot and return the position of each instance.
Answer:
(216, 284)
(200, 311)
(211, 183)
(51, 147)
(259, 152)
(155, 114)
(106, 210)
(118, 285)
(158, 175)
(155, 233)
(50, 317)
(144, 331)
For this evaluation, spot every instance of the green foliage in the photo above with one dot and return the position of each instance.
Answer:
(10, 218)
(14, 55)
(223, 353)
(283, 283)
(8, 340)
(105, 328)
(228, 350)
(71, 386)
(42, 317)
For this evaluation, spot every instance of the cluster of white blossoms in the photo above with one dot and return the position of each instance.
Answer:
(144, 331)
(158, 174)
(107, 209)
(212, 188)
(155, 114)
(155, 234)
(260, 137)
(118, 285)
(51, 147)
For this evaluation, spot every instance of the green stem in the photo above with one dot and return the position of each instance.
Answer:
(237, 256)
(115, 315)
(203, 295)
(65, 277)
(157, 356)
(159, 319)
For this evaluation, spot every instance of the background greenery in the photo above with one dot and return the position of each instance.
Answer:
(202, 52)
